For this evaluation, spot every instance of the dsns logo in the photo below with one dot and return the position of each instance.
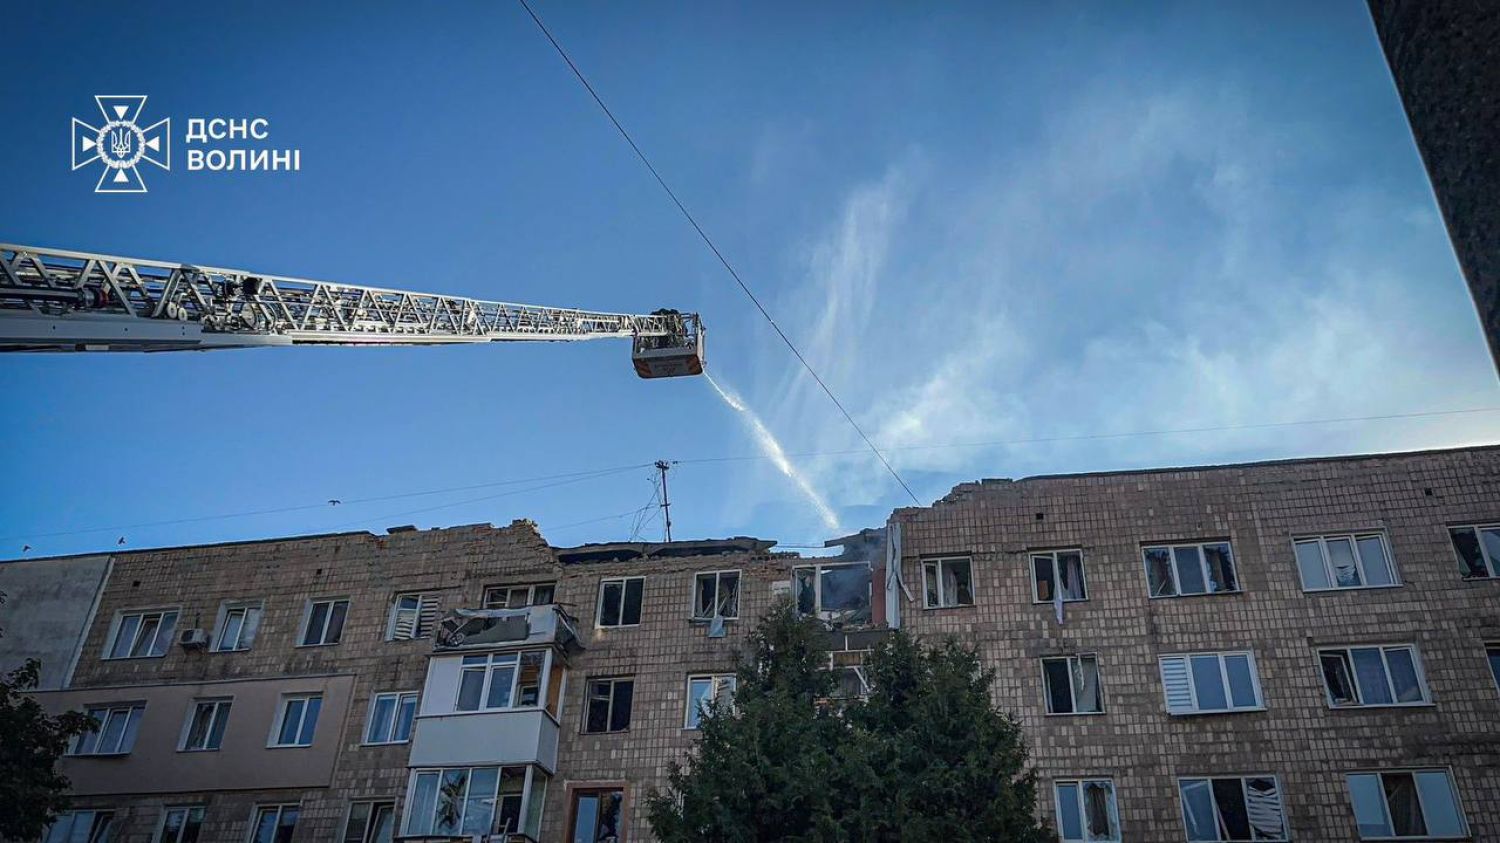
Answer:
(120, 144)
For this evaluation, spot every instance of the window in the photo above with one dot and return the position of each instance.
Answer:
(1236, 808)
(1061, 570)
(947, 583)
(1368, 676)
(116, 732)
(391, 717)
(371, 822)
(597, 816)
(1492, 651)
(1203, 683)
(1406, 804)
(519, 596)
(143, 635)
(274, 823)
(324, 623)
(297, 720)
(501, 680)
(848, 669)
(82, 827)
(181, 824)
(412, 617)
(716, 594)
(237, 626)
(464, 801)
(620, 601)
(838, 593)
(204, 730)
(703, 692)
(1086, 811)
(609, 705)
(1180, 570)
(1478, 549)
(1072, 685)
(1356, 560)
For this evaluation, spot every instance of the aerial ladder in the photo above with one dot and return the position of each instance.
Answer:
(56, 300)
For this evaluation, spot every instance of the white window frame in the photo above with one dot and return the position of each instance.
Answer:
(119, 623)
(167, 810)
(1491, 563)
(285, 703)
(624, 583)
(424, 600)
(718, 682)
(134, 713)
(375, 804)
(494, 660)
(1492, 661)
(1359, 561)
(936, 563)
(1079, 782)
(222, 707)
(1072, 691)
(530, 588)
(1171, 548)
(609, 715)
(1286, 833)
(529, 793)
(94, 832)
(280, 808)
(398, 698)
(1463, 817)
(818, 610)
(228, 608)
(1083, 575)
(739, 582)
(1390, 684)
(1223, 657)
(307, 613)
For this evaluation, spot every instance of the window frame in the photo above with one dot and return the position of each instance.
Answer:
(94, 835)
(1223, 658)
(135, 712)
(161, 822)
(817, 569)
(937, 562)
(307, 613)
(228, 608)
(1080, 781)
(529, 794)
(739, 580)
(491, 661)
(117, 626)
(393, 619)
(609, 715)
(1182, 809)
(1492, 563)
(400, 697)
(1359, 560)
(1083, 575)
(531, 588)
(716, 681)
(576, 793)
(1380, 774)
(624, 582)
(280, 808)
(282, 705)
(375, 804)
(1390, 682)
(1072, 691)
(222, 708)
(1172, 548)
(1492, 661)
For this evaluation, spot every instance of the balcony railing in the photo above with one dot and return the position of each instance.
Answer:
(489, 629)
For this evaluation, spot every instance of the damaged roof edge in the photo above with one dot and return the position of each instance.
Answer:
(621, 551)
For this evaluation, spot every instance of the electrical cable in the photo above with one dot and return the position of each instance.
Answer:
(715, 249)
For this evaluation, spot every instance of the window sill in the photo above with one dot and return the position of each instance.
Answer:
(1076, 713)
(1196, 594)
(1218, 712)
(1336, 589)
(1035, 602)
(948, 608)
(99, 755)
(1378, 706)
(707, 621)
(288, 746)
(386, 743)
(132, 658)
(195, 751)
(231, 650)
(314, 646)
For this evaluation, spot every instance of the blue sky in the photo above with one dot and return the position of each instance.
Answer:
(981, 222)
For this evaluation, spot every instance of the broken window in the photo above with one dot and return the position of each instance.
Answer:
(838, 593)
(1186, 569)
(1202, 683)
(324, 623)
(238, 624)
(716, 594)
(596, 816)
(703, 692)
(184, 824)
(1344, 561)
(519, 596)
(471, 801)
(205, 728)
(1364, 676)
(413, 616)
(82, 827)
(1058, 571)
(140, 635)
(115, 734)
(1478, 549)
(1234, 808)
(609, 705)
(1406, 804)
(1072, 685)
(370, 822)
(620, 601)
(948, 582)
(1086, 811)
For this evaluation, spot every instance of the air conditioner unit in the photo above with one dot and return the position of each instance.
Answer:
(193, 639)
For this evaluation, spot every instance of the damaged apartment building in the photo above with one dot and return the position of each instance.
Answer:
(1294, 650)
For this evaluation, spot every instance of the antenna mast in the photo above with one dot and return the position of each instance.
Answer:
(666, 505)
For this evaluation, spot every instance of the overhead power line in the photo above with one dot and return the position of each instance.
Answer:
(708, 241)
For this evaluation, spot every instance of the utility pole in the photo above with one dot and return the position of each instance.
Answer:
(666, 505)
